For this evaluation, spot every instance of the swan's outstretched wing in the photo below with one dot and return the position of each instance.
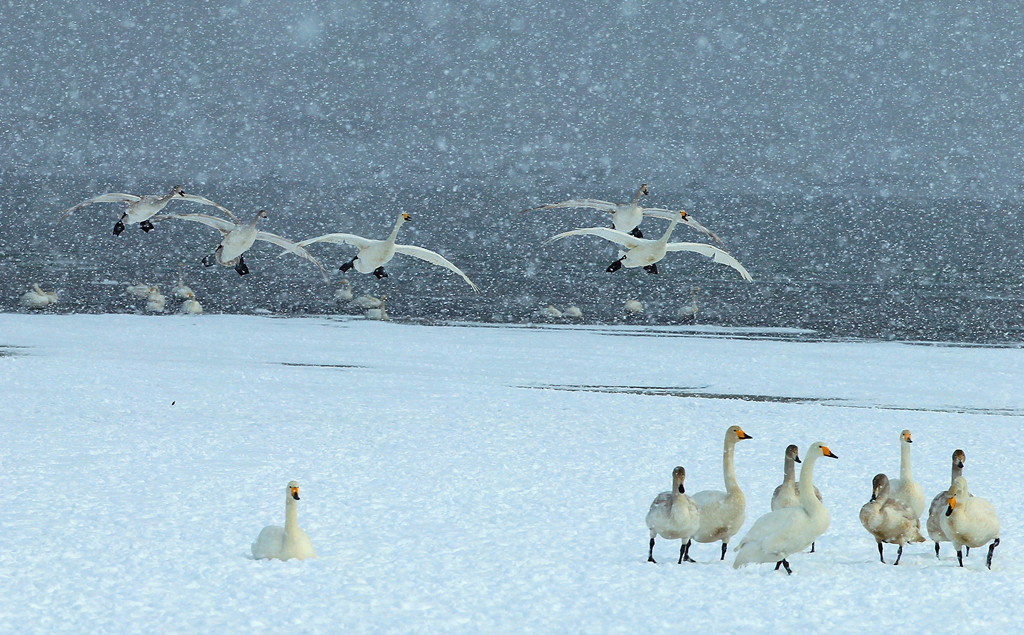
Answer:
(339, 239)
(112, 197)
(195, 198)
(592, 203)
(434, 258)
(294, 248)
(714, 253)
(667, 214)
(614, 235)
(219, 224)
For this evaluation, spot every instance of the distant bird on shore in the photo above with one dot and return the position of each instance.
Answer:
(181, 290)
(689, 311)
(633, 306)
(343, 292)
(36, 298)
(140, 208)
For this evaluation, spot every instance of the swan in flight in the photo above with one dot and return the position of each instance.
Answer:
(141, 209)
(647, 253)
(238, 238)
(626, 217)
(374, 254)
(290, 541)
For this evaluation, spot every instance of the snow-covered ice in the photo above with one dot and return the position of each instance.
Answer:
(474, 479)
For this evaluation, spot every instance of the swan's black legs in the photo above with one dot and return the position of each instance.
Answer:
(899, 554)
(651, 268)
(725, 546)
(615, 266)
(968, 552)
(380, 273)
(881, 556)
(991, 548)
(118, 228)
(636, 232)
(778, 564)
(240, 267)
(650, 552)
(812, 544)
(936, 550)
(686, 555)
(786, 565)
(146, 226)
(960, 556)
(348, 265)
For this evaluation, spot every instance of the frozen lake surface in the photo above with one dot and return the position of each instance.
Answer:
(471, 479)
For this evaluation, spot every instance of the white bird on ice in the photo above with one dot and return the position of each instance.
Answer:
(36, 298)
(290, 541)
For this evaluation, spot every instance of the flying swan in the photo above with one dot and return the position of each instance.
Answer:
(141, 208)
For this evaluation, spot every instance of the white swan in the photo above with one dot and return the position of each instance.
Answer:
(155, 301)
(905, 489)
(290, 541)
(633, 306)
(689, 311)
(551, 312)
(344, 291)
(781, 533)
(238, 238)
(181, 290)
(788, 494)
(722, 513)
(36, 298)
(141, 209)
(941, 502)
(141, 290)
(970, 521)
(626, 217)
(674, 516)
(374, 254)
(889, 520)
(647, 253)
(378, 313)
(572, 312)
(367, 302)
(191, 306)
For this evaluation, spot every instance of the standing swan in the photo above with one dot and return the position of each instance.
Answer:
(889, 520)
(781, 533)
(645, 253)
(290, 541)
(788, 494)
(374, 254)
(722, 513)
(675, 516)
(970, 520)
(941, 502)
(905, 489)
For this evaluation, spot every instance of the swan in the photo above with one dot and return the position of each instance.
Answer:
(722, 513)
(626, 217)
(141, 209)
(689, 311)
(181, 290)
(367, 302)
(633, 306)
(969, 521)
(572, 312)
(379, 313)
(191, 306)
(344, 291)
(788, 494)
(551, 312)
(941, 501)
(783, 532)
(155, 301)
(905, 489)
(889, 520)
(647, 253)
(374, 254)
(290, 541)
(36, 298)
(674, 516)
(238, 238)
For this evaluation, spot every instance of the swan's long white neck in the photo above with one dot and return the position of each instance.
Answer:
(905, 461)
(729, 465)
(394, 232)
(291, 515)
(255, 220)
(639, 193)
(37, 288)
(807, 498)
(668, 232)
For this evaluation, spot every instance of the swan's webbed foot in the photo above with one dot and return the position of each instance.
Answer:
(241, 267)
(380, 273)
(650, 552)
(960, 556)
(991, 548)
(812, 547)
(636, 232)
(936, 549)
(118, 228)
(615, 266)
(881, 556)
(348, 265)
(786, 565)
(146, 226)
(725, 546)
(899, 554)
(210, 260)
(651, 268)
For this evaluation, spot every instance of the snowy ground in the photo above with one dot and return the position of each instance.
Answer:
(445, 491)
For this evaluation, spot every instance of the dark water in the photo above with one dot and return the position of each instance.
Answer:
(844, 266)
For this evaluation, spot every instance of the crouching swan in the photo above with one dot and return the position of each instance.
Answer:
(290, 541)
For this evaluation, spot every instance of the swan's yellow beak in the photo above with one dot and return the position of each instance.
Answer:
(952, 504)
(740, 434)
(295, 493)
(405, 217)
(907, 437)
(682, 213)
(826, 452)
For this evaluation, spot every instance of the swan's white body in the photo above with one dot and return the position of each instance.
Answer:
(551, 312)
(141, 290)
(642, 252)
(633, 306)
(367, 302)
(191, 306)
(238, 237)
(788, 494)
(889, 520)
(941, 501)
(378, 313)
(290, 541)
(343, 292)
(969, 520)
(155, 301)
(36, 298)
(783, 532)
(722, 513)
(572, 312)
(141, 208)
(626, 217)
(673, 515)
(905, 489)
(374, 254)
(689, 311)
(181, 290)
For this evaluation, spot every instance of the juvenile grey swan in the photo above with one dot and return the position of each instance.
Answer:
(941, 502)
(889, 520)
(788, 494)
(674, 516)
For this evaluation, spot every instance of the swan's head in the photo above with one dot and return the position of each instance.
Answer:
(404, 218)
(823, 449)
(958, 459)
(180, 191)
(905, 437)
(736, 433)
(678, 476)
(643, 189)
(293, 490)
(879, 487)
(793, 452)
(682, 214)
(261, 214)
(957, 490)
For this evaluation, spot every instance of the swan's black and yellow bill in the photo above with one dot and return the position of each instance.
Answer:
(740, 434)
(952, 504)
(826, 452)
(295, 492)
